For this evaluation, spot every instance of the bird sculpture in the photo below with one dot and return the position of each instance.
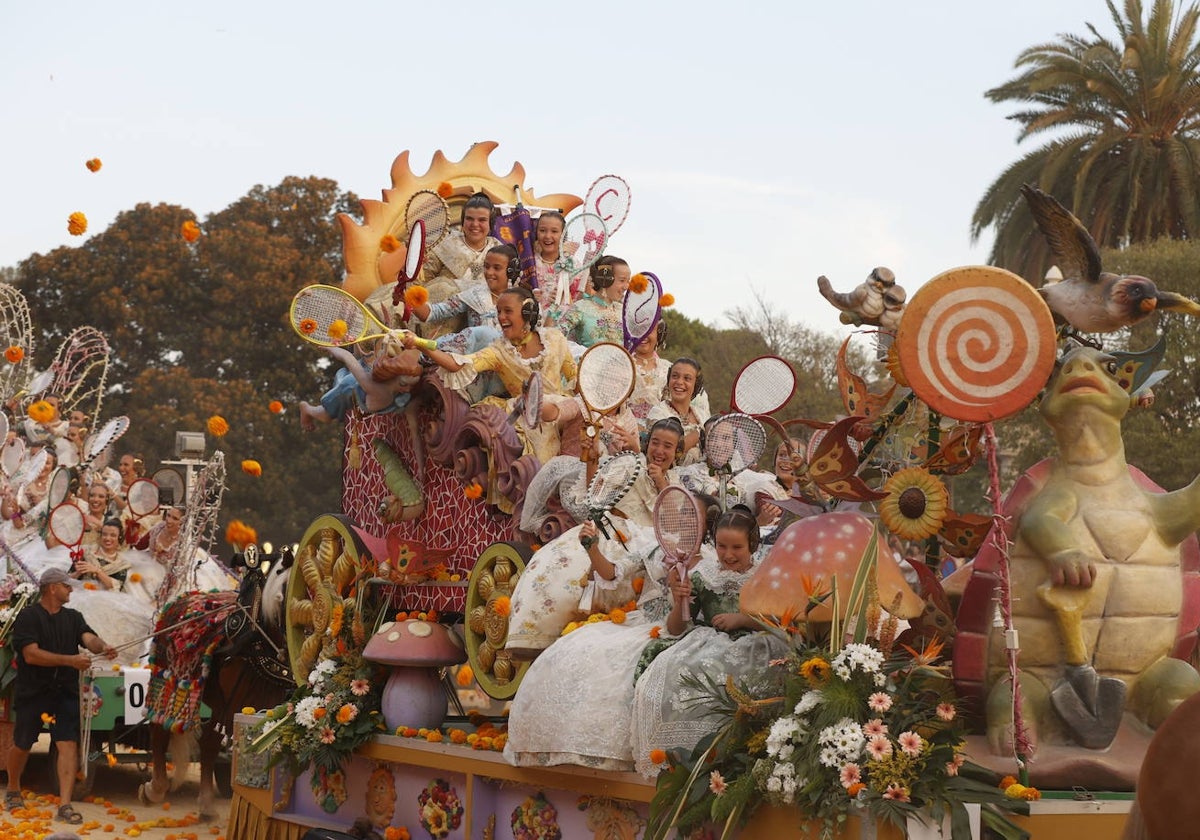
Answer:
(1089, 299)
(874, 301)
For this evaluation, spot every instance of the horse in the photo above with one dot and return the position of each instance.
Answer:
(245, 648)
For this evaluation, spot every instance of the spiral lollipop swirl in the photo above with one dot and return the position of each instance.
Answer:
(977, 344)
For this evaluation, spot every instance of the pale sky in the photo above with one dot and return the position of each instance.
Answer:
(765, 143)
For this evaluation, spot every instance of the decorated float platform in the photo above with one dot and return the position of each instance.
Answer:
(412, 531)
(483, 796)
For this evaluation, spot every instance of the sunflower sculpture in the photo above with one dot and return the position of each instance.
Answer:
(916, 504)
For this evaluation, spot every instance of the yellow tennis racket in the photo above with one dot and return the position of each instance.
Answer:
(332, 317)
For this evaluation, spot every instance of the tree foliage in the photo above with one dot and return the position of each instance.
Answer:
(202, 329)
(1124, 118)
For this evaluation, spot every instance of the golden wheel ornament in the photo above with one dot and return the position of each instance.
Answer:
(494, 578)
(328, 562)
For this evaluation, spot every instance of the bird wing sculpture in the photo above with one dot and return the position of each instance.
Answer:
(1088, 298)
(865, 304)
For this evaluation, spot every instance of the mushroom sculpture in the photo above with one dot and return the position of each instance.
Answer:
(823, 547)
(416, 651)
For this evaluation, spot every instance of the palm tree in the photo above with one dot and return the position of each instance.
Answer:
(1125, 155)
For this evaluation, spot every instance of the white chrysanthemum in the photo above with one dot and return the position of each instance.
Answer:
(857, 657)
(808, 702)
(304, 711)
(25, 590)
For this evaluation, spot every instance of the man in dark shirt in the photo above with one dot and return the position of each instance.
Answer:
(47, 636)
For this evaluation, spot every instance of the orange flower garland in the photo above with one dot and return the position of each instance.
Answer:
(77, 224)
(190, 231)
(217, 426)
(14, 354)
(253, 468)
(93, 165)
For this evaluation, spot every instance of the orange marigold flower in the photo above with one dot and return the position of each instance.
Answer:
(337, 329)
(47, 718)
(616, 615)
(93, 165)
(445, 189)
(77, 224)
(394, 833)
(855, 789)
(190, 231)
(275, 407)
(639, 583)
(388, 243)
(217, 426)
(416, 296)
(134, 577)
(434, 736)
(14, 354)
(401, 616)
(658, 757)
(666, 300)
(308, 326)
(465, 676)
(502, 605)
(239, 534)
(655, 632)
(1007, 782)
(253, 468)
(41, 412)
(474, 490)
(458, 736)
(638, 283)
(347, 713)
(89, 585)
(320, 712)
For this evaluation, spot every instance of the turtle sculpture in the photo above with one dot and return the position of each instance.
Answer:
(1100, 575)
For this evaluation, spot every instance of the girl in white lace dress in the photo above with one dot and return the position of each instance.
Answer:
(669, 710)
(574, 701)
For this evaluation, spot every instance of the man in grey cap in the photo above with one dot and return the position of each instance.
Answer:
(47, 636)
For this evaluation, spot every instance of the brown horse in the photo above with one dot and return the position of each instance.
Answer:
(1166, 806)
(243, 664)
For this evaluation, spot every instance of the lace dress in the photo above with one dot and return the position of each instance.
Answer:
(591, 320)
(668, 708)
(574, 702)
(556, 291)
(449, 268)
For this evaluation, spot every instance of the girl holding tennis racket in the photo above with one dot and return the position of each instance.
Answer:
(597, 316)
(457, 261)
(721, 642)
(584, 681)
(556, 289)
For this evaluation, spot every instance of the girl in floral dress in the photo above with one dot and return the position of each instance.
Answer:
(597, 316)
(556, 290)
(668, 706)
(574, 701)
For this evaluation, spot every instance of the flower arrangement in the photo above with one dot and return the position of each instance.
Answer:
(535, 819)
(863, 727)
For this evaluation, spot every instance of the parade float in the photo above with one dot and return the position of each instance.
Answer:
(1020, 698)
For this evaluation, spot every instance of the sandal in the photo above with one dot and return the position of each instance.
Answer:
(13, 800)
(69, 815)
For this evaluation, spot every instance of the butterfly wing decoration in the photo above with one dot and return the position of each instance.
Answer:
(1137, 369)
(958, 452)
(936, 621)
(855, 396)
(963, 533)
(412, 558)
(834, 464)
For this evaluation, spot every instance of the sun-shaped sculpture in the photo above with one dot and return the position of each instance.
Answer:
(369, 266)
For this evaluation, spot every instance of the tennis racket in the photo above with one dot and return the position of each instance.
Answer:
(67, 524)
(30, 468)
(609, 198)
(583, 241)
(59, 487)
(733, 443)
(528, 406)
(318, 308)
(679, 529)
(104, 437)
(606, 378)
(641, 311)
(763, 386)
(431, 210)
(10, 459)
(609, 485)
(170, 486)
